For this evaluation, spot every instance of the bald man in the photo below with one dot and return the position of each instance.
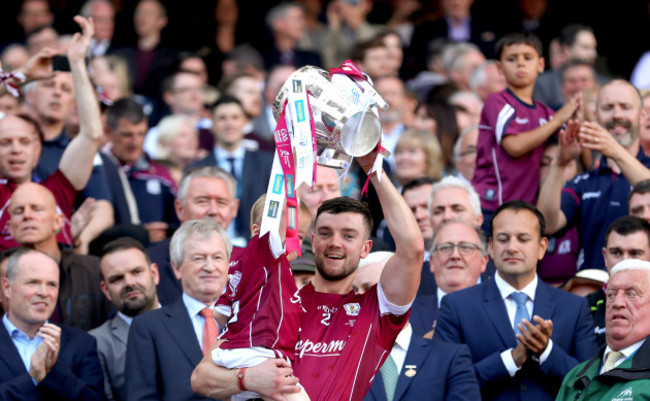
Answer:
(34, 221)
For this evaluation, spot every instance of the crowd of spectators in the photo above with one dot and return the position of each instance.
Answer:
(125, 152)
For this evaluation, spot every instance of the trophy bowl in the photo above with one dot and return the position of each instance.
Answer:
(345, 118)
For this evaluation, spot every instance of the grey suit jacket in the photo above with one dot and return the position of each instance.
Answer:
(111, 346)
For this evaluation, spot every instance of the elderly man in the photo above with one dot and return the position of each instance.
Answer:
(593, 200)
(451, 199)
(627, 238)
(34, 223)
(41, 360)
(417, 365)
(458, 258)
(331, 358)
(619, 371)
(165, 345)
(129, 281)
(524, 335)
(203, 193)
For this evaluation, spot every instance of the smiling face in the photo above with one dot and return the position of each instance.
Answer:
(516, 246)
(204, 269)
(520, 64)
(229, 122)
(410, 161)
(339, 242)
(129, 282)
(456, 271)
(33, 215)
(627, 318)
(208, 198)
(619, 110)
(33, 292)
(19, 149)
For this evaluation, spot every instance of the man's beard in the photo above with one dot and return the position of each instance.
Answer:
(629, 137)
(345, 273)
(136, 307)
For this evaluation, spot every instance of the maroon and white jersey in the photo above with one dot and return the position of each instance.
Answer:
(261, 299)
(499, 177)
(344, 339)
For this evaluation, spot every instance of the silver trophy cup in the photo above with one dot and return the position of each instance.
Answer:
(345, 117)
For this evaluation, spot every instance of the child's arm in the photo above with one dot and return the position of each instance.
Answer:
(520, 144)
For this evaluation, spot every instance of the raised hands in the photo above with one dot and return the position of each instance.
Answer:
(46, 353)
(81, 41)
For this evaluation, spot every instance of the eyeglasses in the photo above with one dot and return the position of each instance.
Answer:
(464, 248)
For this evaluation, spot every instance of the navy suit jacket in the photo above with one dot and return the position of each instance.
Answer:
(477, 316)
(443, 372)
(76, 375)
(423, 313)
(161, 355)
(169, 288)
(252, 184)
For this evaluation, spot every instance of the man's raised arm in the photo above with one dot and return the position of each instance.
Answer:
(401, 276)
(77, 160)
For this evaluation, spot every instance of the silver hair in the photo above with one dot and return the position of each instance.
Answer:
(630, 264)
(455, 182)
(461, 50)
(206, 172)
(85, 9)
(167, 129)
(479, 75)
(204, 229)
(482, 238)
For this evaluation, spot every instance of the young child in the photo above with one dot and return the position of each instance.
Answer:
(514, 127)
(260, 304)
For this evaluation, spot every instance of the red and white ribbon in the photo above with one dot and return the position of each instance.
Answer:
(11, 81)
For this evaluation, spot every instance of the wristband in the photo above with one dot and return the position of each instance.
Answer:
(240, 379)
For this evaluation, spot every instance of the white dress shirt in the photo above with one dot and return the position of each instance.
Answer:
(628, 352)
(401, 346)
(505, 290)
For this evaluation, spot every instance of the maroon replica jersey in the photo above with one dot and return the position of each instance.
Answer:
(261, 299)
(343, 341)
(64, 194)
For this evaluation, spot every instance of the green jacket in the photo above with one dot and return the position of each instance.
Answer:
(627, 382)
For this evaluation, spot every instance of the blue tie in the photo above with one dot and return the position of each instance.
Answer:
(522, 313)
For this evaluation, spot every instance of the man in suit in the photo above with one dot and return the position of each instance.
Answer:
(450, 199)
(417, 365)
(458, 258)
(129, 281)
(524, 335)
(203, 193)
(251, 169)
(40, 360)
(166, 344)
(621, 369)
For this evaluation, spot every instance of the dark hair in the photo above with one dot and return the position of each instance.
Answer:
(519, 38)
(627, 225)
(123, 244)
(30, 120)
(228, 99)
(517, 205)
(170, 81)
(359, 51)
(641, 187)
(446, 128)
(570, 33)
(346, 204)
(576, 62)
(418, 182)
(127, 108)
(7, 253)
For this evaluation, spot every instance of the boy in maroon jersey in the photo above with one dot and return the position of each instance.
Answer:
(344, 338)
(260, 305)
